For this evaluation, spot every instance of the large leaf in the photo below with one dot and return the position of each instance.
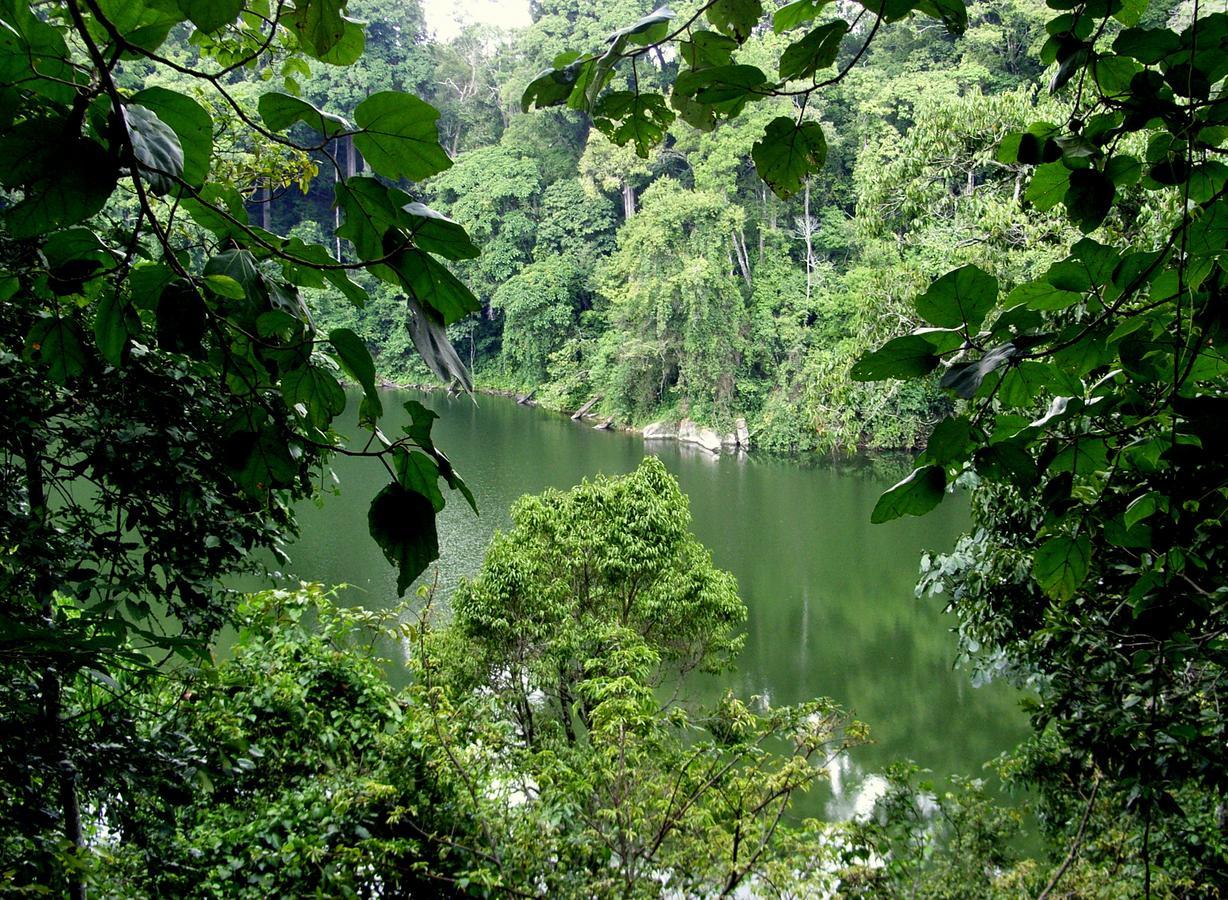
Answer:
(816, 51)
(903, 357)
(736, 18)
(916, 495)
(796, 13)
(317, 391)
(962, 296)
(435, 232)
(403, 524)
(191, 123)
(355, 358)
(65, 179)
(318, 24)
(156, 148)
(280, 111)
(56, 343)
(418, 472)
(432, 285)
(788, 153)
(1089, 198)
(648, 30)
(211, 15)
(399, 137)
(1061, 564)
(430, 337)
(632, 117)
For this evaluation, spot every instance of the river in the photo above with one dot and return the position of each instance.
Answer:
(832, 610)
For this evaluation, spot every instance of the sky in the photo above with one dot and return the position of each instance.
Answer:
(443, 16)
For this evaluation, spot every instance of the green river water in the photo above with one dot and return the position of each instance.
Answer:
(831, 605)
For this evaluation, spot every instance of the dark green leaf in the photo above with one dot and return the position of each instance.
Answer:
(156, 148)
(211, 15)
(402, 522)
(280, 111)
(796, 13)
(904, 357)
(418, 472)
(436, 233)
(736, 18)
(1089, 198)
(816, 51)
(191, 123)
(963, 296)
(916, 495)
(399, 137)
(56, 344)
(1061, 564)
(355, 358)
(318, 391)
(788, 154)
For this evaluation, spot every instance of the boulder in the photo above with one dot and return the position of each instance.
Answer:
(690, 433)
(660, 431)
(743, 434)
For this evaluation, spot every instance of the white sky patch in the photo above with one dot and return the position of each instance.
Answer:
(447, 17)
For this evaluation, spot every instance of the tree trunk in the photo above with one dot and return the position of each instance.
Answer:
(628, 200)
(50, 685)
(266, 213)
(808, 234)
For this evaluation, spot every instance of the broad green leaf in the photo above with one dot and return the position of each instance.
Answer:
(816, 51)
(651, 29)
(430, 282)
(211, 15)
(1041, 295)
(916, 495)
(399, 137)
(318, 392)
(797, 13)
(259, 460)
(736, 18)
(318, 24)
(355, 358)
(418, 472)
(402, 522)
(280, 111)
(553, 86)
(1141, 508)
(65, 180)
(56, 343)
(191, 123)
(950, 443)
(436, 233)
(349, 49)
(629, 117)
(952, 13)
(963, 296)
(1061, 564)
(1023, 384)
(707, 49)
(430, 337)
(156, 147)
(1048, 186)
(225, 286)
(1089, 198)
(114, 324)
(788, 154)
(904, 357)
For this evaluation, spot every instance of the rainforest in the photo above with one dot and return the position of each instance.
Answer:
(560, 448)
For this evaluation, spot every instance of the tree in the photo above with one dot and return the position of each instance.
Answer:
(1095, 390)
(169, 392)
(582, 570)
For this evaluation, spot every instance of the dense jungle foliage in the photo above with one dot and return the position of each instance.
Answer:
(992, 230)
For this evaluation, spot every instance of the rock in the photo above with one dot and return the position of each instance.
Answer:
(729, 442)
(743, 434)
(606, 425)
(527, 399)
(659, 431)
(690, 433)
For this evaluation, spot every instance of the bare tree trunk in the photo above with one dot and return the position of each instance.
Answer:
(739, 250)
(628, 200)
(808, 233)
(50, 685)
(266, 212)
